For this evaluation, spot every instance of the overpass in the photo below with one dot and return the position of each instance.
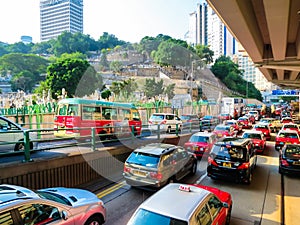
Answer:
(269, 32)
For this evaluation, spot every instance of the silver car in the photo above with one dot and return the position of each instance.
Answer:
(12, 136)
(57, 205)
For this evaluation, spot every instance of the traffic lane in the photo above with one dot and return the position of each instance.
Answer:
(250, 201)
(291, 199)
(122, 203)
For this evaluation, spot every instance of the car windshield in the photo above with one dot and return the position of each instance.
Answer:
(228, 152)
(143, 159)
(207, 117)
(145, 217)
(196, 138)
(292, 151)
(54, 197)
(293, 126)
(252, 135)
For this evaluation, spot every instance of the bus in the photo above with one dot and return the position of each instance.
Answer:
(76, 116)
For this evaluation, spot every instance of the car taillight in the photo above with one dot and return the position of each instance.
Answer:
(127, 169)
(284, 162)
(156, 175)
(150, 122)
(211, 161)
(244, 166)
(163, 122)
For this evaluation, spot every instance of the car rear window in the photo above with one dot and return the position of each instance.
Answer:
(157, 117)
(288, 135)
(249, 135)
(224, 152)
(145, 217)
(199, 139)
(143, 159)
(292, 152)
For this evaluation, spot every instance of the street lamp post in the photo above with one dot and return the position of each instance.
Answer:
(192, 77)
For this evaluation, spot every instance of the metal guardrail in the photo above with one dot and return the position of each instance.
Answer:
(32, 138)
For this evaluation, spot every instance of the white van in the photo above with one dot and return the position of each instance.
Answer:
(166, 122)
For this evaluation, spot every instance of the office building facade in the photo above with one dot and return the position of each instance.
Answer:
(57, 16)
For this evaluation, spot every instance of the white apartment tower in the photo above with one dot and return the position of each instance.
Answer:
(206, 28)
(57, 16)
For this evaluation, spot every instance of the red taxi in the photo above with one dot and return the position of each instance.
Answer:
(264, 128)
(201, 143)
(287, 120)
(224, 131)
(224, 116)
(291, 126)
(286, 137)
(195, 204)
(236, 125)
(246, 124)
(258, 139)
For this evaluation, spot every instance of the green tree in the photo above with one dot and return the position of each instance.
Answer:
(169, 91)
(153, 88)
(105, 94)
(75, 75)
(204, 53)
(115, 66)
(123, 90)
(22, 81)
(109, 41)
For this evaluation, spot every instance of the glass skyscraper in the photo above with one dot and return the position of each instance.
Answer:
(57, 16)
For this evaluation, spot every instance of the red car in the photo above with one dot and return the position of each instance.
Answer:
(258, 139)
(246, 124)
(286, 137)
(264, 128)
(201, 143)
(224, 116)
(287, 120)
(225, 131)
(237, 126)
(291, 126)
(196, 204)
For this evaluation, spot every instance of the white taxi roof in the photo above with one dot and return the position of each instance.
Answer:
(162, 202)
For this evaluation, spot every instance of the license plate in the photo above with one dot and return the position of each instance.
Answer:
(219, 135)
(288, 143)
(225, 164)
(139, 173)
(296, 163)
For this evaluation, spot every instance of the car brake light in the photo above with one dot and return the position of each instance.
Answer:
(150, 122)
(244, 166)
(284, 162)
(211, 161)
(127, 169)
(163, 122)
(156, 175)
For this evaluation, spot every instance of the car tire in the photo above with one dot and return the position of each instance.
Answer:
(94, 220)
(228, 217)
(194, 169)
(249, 178)
(169, 130)
(21, 146)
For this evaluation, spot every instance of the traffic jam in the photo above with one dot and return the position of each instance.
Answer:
(229, 152)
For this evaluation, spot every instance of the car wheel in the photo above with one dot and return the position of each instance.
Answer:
(94, 220)
(21, 146)
(228, 217)
(249, 178)
(194, 168)
(172, 179)
(169, 130)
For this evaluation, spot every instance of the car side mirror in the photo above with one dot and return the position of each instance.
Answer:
(225, 205)
(64, 215)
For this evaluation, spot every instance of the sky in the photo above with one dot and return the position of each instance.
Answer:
(128, 20)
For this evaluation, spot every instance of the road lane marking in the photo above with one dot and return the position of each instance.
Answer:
(111, 189)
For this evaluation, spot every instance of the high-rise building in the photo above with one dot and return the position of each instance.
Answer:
(57, 16)
(206, 28)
